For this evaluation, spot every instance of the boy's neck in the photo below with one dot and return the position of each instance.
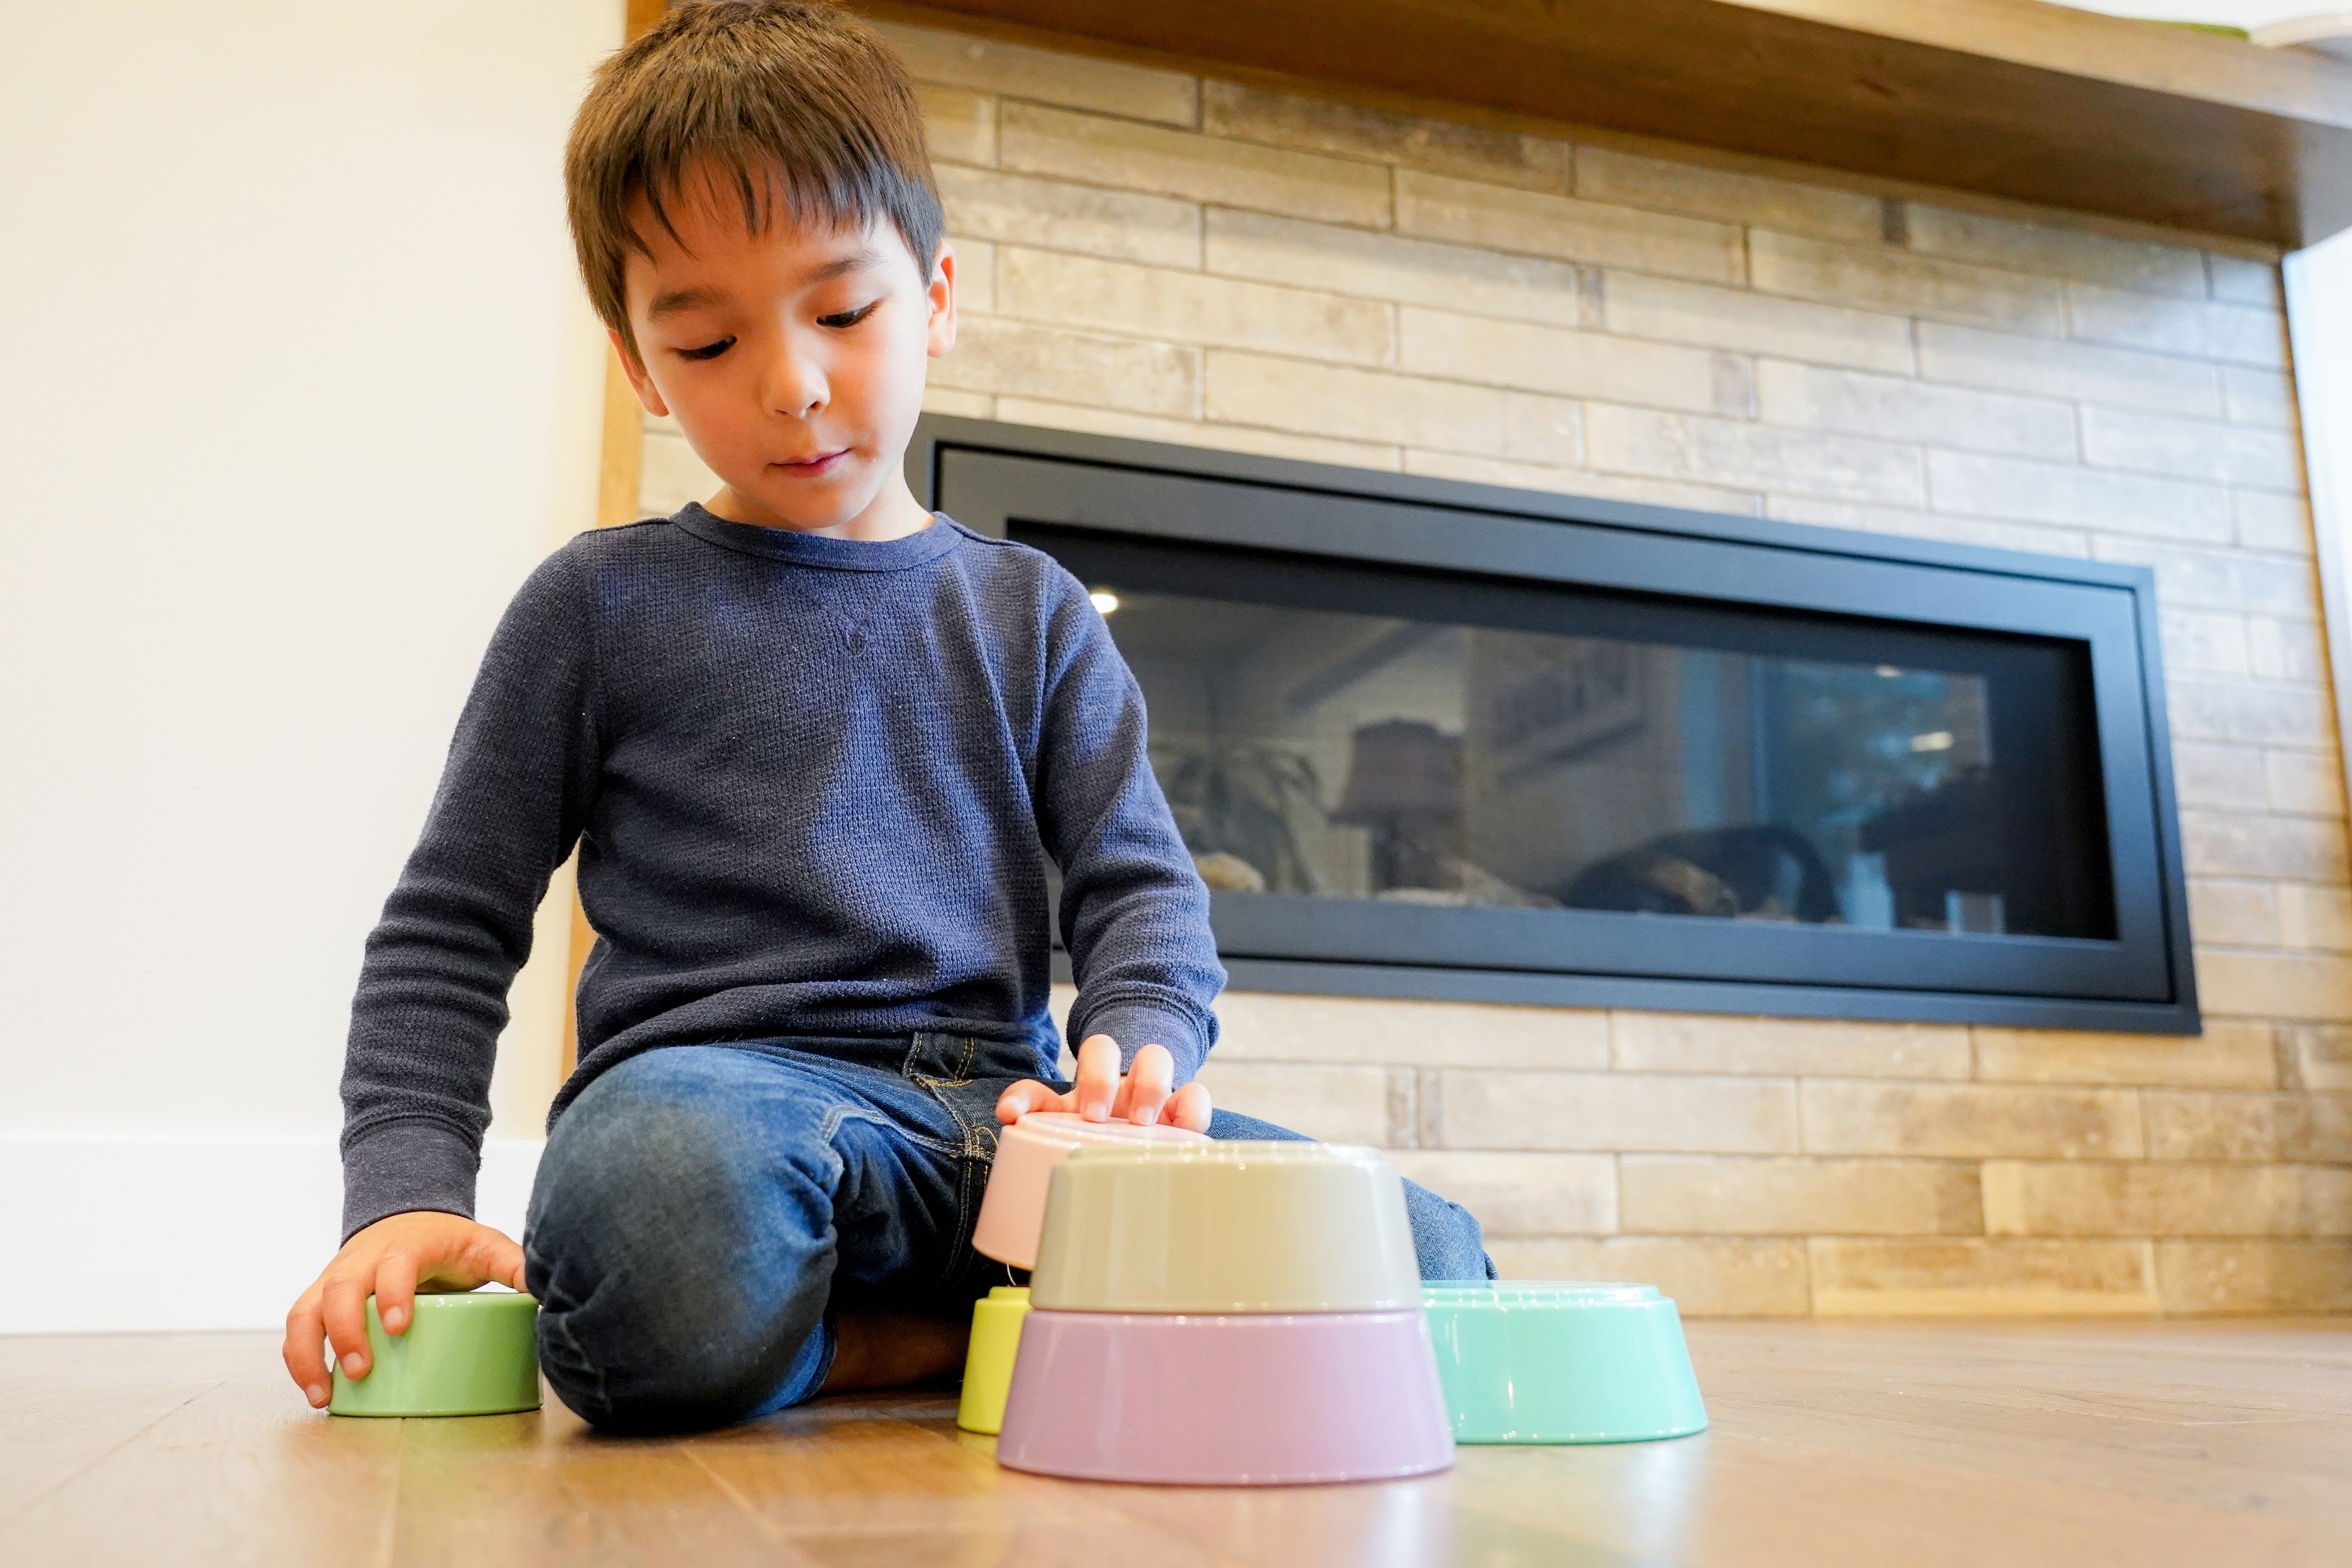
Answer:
(893, 513)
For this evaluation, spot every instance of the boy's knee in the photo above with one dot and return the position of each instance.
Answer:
(673, 1293)
(1447, 1240)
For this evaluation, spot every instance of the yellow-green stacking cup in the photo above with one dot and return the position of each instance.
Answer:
(470, 1354)
(988, 1365)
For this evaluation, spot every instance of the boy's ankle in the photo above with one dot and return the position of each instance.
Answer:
(892, 1349)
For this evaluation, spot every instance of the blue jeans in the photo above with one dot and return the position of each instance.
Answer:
(701, 1212)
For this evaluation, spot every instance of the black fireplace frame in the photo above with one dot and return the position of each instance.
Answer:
(991, 476)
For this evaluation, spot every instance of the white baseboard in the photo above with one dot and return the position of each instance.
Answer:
(113, 1233)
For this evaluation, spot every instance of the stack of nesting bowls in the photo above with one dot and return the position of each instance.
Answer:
(1225, 1313)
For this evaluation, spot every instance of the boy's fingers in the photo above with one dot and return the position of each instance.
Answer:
(304, 1360)
(1097, 1083)
(344, 1301)
(1188, 1107)
(1145, 1089)
(503, 1259)
(1026, 1096)
(395, 1291)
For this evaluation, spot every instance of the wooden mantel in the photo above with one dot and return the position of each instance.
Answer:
(2012, 99)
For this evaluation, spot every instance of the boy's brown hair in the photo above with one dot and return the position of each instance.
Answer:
(774, 96)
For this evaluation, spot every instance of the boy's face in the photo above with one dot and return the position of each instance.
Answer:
(793, 359)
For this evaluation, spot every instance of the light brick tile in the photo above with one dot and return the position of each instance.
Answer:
(1279, 1026)
(1939, 526)
(1366, 406)
(2322, 1056)
(2286, 986)
(2001, 1275)
(1435, 207)
(2190, 448)
(1049, 76)
(1880, 279)
(2213, 643)
(1746, 321)
(1582, 482)
(1900, 409)
(2099, 1197)
(2268, 521)
(2228, 1055)
(2231, 777)
(2055, 251)
(1965, 1121)
(1337, 1104)
(1129, 154)
(2312, 917)
(1547, 359)
(1608, 1110)
(1103, 421)
(2050, 493)
(670, 475)
(1521, 1195)
(2308, 782)
(1666, 1195)
(1630, 179)
(967, 404)
(2251, 712)
(2311, 1126)
(1325, 125)
(2229, 333)
(1730, 452)
(2218, 579)
(1191, 307)
(1125, 225)
(959, 126)
(2254, 1275)
(2292, 650)
(2244, 281)
(1707, 1276)
(2259, 397)
(2240, 844)
(1391, 266)
(1683, 1042)
(2089, 373)
(2235, 914)
(975, 276)
(995, 355)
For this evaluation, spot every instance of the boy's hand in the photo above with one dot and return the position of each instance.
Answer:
(391, 1259)
(1100, 1093)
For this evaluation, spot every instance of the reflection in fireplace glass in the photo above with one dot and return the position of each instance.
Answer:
(1694, 760)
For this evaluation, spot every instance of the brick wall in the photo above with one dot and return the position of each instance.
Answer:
(1149, 254)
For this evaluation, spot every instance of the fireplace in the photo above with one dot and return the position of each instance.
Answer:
(1426, 738)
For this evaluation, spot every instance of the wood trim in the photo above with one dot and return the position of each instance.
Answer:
(2011, 99)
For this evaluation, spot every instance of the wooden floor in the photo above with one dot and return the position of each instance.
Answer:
(1885, 1444)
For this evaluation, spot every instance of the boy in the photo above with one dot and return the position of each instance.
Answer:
(809, 738)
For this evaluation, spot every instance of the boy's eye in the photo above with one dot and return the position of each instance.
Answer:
(847, 318)
(708, 350)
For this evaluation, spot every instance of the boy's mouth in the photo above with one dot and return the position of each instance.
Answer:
(809, 467)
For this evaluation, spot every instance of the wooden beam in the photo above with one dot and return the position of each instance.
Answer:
(2011, 99)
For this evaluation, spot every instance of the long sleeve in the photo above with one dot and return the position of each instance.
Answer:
(432, 994)
(1134, 911)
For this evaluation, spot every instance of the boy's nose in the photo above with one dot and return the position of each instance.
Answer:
(795, 388)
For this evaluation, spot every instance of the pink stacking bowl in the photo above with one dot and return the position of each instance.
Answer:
(1225, 1314)
(1013, 1209)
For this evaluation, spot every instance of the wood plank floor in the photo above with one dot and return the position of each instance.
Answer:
(1910, 1444)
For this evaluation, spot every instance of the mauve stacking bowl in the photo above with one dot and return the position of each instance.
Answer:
(1013, 1206)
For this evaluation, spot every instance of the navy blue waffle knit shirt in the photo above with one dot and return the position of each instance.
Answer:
(809, 779)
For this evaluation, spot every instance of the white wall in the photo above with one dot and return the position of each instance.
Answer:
(299, 385)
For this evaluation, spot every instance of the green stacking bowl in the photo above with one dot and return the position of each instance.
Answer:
(1562, 1363)
(470, 1354)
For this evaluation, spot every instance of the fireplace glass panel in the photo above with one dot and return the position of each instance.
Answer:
(1362, 732)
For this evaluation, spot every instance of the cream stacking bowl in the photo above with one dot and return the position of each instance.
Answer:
(1225, 1313)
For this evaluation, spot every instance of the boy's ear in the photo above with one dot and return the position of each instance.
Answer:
(640, 382)
(942, 298)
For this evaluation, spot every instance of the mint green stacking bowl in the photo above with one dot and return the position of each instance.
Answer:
(1562, 1363)
(464, 1353)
